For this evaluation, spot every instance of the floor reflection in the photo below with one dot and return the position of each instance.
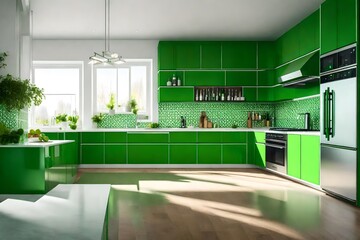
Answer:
(243, 204)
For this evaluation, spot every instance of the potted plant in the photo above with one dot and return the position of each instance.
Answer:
(16, 94)
(111, 104)
(73, 121)
(62, 118)
(97, 118)
(133, 106)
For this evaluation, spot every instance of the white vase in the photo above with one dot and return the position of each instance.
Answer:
(111, 111)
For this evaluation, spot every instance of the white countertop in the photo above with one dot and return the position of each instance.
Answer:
(37, 144)
(69, 211)
(264, 129)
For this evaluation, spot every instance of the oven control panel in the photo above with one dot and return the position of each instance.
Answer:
(276, 136)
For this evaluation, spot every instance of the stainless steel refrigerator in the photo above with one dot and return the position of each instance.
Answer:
(338, 122)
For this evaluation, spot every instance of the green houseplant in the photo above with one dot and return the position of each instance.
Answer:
(111, 104)
(73, 121)
(16, 94)
(97, 118)
(133, 106)
(62, 118)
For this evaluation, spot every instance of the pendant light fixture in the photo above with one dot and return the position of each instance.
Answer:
(106, 57)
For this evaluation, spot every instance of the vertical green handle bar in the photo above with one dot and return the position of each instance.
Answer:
(332, 113)
(324, 114)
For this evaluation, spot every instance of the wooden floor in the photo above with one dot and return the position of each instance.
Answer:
(220, 204)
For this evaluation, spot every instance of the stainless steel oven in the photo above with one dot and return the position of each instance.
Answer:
(276, 144)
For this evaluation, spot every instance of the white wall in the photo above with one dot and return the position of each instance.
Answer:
(9, 35)
(81, 50)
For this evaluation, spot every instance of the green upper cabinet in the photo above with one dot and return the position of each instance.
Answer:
(338, 24)
(309, 33)
(293, 155)
(187, 55)
(299, 40)
(211, 55)
(176, 94)
(205, 78)
(239, 55)
(241, 78)
(267, 55)
(346, 22)
(166, 55)
(310, 159)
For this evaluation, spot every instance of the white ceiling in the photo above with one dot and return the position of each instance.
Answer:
(169, 19)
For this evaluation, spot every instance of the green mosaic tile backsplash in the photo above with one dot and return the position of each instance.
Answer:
(14, 119)
(224, 114)
(287, 113)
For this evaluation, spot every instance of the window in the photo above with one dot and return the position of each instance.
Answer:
(61, 84)
(131, 80)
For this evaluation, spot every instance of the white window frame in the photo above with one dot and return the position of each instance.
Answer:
(148, 115)
(54, 65)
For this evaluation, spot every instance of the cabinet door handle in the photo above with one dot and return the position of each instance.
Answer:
(332, 113)
(274, 146)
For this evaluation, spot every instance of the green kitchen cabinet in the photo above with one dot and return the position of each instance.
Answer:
(241, 78)
(267, 56)
(92, 137)
(338, 24)
(166, 55)
(176, 94)
(234, 154)
(92, 154)
(205, 78)
(260, 153)
(115, 137)
(239, 55)
(187, 55)
(250, 94)
(148, 153)
(329, 26)
(288, 46)
(148, 137)
(259, 137)
(346, 20)
(267, 78)
(53, 135)
(310, 33)
(165, 76)
(211, 55)
(251, 148)
(115, 154)
(209, 137)
(265, 94)
(182, 154)
(209, 154)
(294, 155)
(233, 137)
(310, 159)
(183, 137)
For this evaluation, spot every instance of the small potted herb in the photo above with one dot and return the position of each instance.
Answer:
(133, 106)
(111, 104)
(62, 118)
(73, 121)
(97, 118)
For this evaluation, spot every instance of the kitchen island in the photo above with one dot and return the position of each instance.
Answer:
(31, 168)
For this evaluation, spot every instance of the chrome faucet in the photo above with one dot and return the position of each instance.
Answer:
(306, 120)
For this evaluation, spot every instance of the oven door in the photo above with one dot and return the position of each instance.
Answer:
(276, 155)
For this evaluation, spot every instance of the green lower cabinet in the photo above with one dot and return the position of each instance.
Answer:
(183, 154)
(92, 154)
(209, 154)
(293, 156)
(259, 155)
(310, 159)
(251, 148)
(115, 154)
(234, 154)
(148, 154)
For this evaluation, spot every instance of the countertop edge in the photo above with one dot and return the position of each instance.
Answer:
(37, 144)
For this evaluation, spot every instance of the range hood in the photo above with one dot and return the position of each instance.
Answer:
(301, 72)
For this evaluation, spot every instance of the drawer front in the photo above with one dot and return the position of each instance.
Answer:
(183, 137)
(233, 137)
(209, 137)
(151, 137)
(92, 137)
(115, 137)
(148, 154)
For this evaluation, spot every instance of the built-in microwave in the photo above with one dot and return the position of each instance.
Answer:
(340, 58)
